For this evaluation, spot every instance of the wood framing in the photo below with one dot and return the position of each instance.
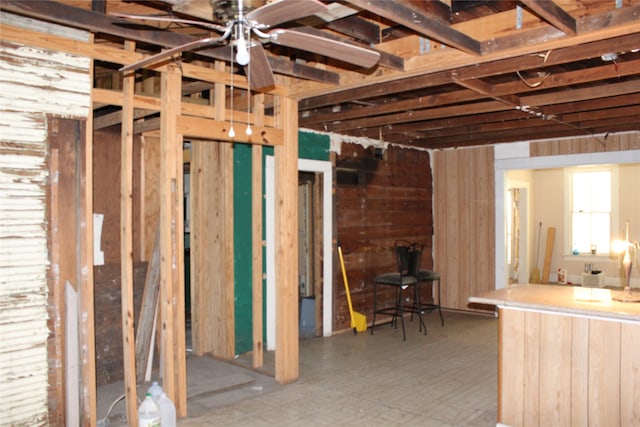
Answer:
(257, 243)
(286, 227)
(126, 250)
(171, 281)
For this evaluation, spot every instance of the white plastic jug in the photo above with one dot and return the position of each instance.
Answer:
(148, 413)
(156, 391)
(167, 411)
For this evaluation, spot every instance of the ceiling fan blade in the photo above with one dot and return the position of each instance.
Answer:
(280, 11)
(351, 54)
(260, 75)
(171, 20)
(196, 44)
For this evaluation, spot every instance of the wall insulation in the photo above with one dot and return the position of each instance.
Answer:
(34, 83)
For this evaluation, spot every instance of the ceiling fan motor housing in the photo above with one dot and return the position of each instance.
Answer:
(226, 10)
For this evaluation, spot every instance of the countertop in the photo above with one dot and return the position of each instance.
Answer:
(570, 300)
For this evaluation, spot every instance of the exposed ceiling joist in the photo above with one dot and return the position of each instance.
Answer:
(428, 25)
(553, 14)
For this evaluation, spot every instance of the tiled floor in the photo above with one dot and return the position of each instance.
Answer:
(447, 378)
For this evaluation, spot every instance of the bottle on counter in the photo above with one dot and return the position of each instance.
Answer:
(562, 276)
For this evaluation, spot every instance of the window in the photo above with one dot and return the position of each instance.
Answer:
(591, 210)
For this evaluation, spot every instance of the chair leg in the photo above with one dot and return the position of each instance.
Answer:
(417, 304)
(375, 299)
(440, 305)
(396, 309)
(399, 307)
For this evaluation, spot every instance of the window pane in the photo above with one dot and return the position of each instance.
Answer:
(591, 211)
(601, 192)
(600, 233)
(581, 240)
(581, 194)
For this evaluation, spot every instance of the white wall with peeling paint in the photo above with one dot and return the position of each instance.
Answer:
(33, 83)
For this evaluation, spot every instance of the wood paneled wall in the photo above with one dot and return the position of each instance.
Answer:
(587, 144)
(212, 257)
(557, 370)
(464, 211)
(378, 200)
(464, 218)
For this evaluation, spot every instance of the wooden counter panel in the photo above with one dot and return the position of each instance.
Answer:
(565, 370)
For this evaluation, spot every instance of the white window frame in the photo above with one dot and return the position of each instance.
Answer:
(568, 206)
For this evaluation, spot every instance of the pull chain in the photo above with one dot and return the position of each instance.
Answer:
(248, 131)
(232, 131)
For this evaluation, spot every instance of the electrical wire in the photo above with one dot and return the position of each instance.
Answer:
(105, 421)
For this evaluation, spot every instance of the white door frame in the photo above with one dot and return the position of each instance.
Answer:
(304, 165)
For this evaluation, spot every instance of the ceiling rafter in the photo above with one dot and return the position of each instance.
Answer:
(426, 24)
(553, 14)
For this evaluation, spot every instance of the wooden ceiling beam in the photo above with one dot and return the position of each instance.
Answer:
(586, 119)
(602, 24)
(427, 24)
(553, 14)
(356, 27)
(529, 103)
(503, 66)
(603, 72)
(484, 88)
(520, 132)
(574, 111)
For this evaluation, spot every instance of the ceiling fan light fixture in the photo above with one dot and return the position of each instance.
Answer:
(242, 53)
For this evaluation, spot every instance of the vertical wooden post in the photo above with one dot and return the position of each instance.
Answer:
(286, 227)
(126, 247)
(171, 229)
(85, 271)
(256, 207)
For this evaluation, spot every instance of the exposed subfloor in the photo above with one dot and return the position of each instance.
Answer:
(446, 378)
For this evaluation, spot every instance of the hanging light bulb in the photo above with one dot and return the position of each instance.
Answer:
(232, 132)
(242, 53)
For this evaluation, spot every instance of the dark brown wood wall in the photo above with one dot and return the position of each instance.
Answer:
(381, 196)
(106, 191)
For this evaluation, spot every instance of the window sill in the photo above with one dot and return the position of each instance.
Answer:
(591, 258)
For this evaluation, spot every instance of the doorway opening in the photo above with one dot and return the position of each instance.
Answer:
(310, 253)
(324, 263)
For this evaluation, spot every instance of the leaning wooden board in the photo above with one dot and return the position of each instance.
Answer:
(551, 233)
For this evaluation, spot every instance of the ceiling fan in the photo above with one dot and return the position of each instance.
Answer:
(247, 25)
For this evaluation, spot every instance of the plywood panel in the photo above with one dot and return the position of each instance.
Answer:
(463, 223)
(604, 373)
(630, 374)
(555, 370)
(579, 371)
(531, 365)
(150, 191)
(511, 398)
(562, 370)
